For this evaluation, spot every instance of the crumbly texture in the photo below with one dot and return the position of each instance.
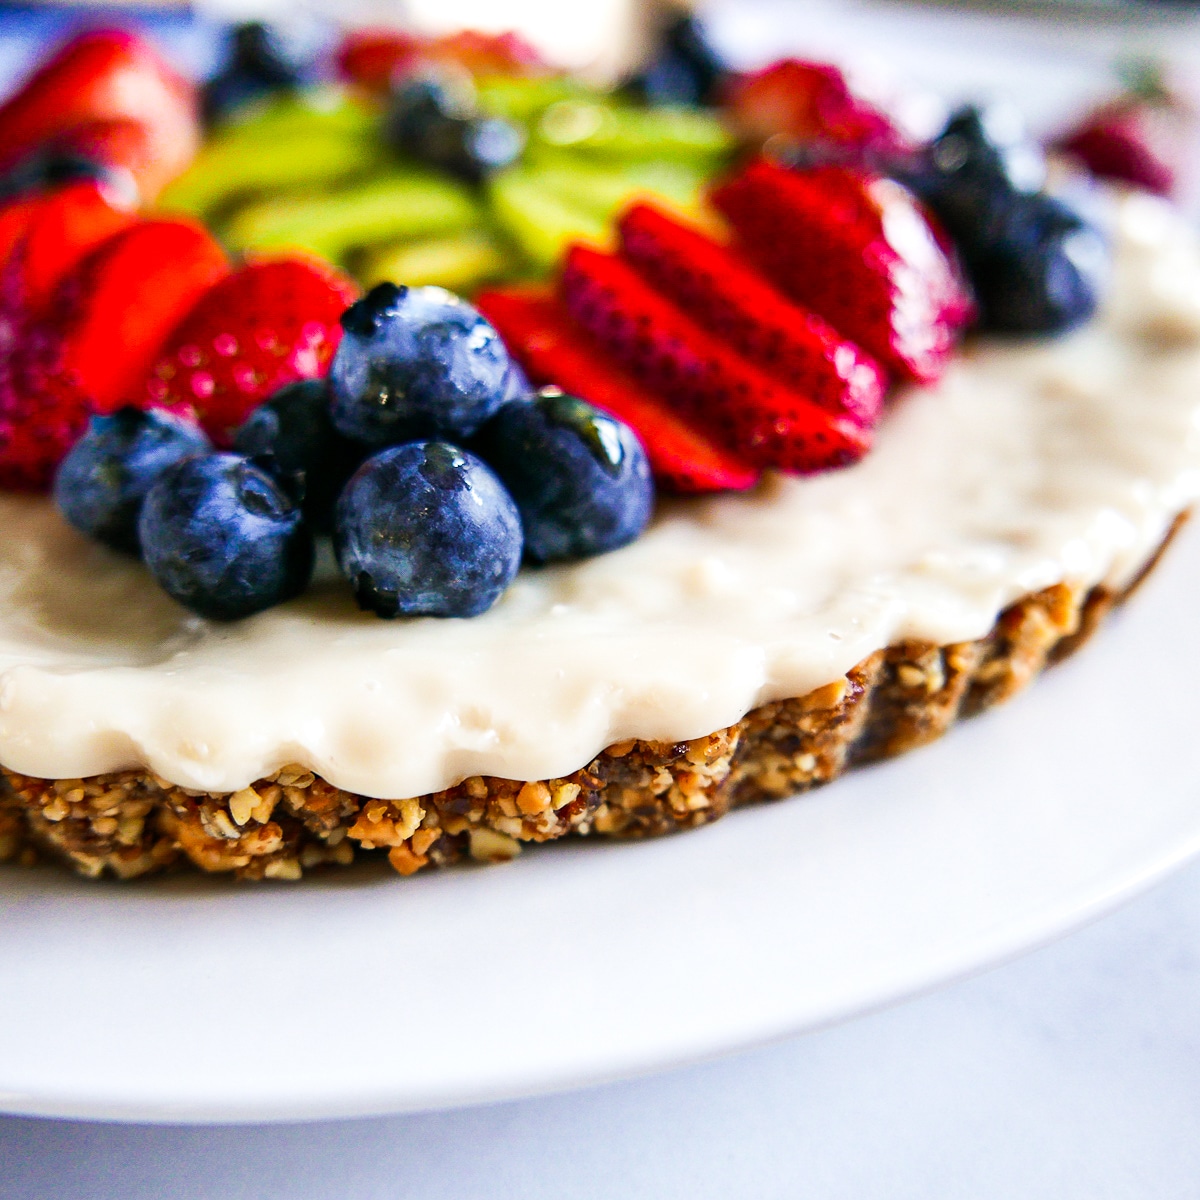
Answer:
(132, 823)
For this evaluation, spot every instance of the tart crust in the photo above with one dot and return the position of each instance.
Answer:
(131, 823)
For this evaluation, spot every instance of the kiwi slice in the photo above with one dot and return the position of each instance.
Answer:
(386, 208)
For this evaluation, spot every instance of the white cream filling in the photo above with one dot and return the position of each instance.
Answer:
(1029, 464)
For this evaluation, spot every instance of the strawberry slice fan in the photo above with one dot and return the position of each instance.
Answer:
(81, 323)
(771, 352)
(99, 308)
(553, 349)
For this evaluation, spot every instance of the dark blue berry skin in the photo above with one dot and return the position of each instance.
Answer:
(1034, 264)
(416, 363)
(258, 64)
(223, 538)
(685, 68)
(427, 529)
(429, 122)
(971, 172)
(580, 477)
(1041, 273)
(104, 478)
(306, 454)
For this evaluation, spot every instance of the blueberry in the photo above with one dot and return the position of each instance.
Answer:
(580, 477)
(307, 454)
(971, 173)
(431, 121)
(104, 478)
(415, 363)
(427, 528)
(223, 538)
(685, 69)
(1035, 265)
(1041, 272)
(259, 63)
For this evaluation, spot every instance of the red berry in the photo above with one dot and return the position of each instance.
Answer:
(370, 57)
(1129, 143)
(270, 323)
(15, 215)
(96, 337)
(735, 303)
(552, 349)
(738, 404)
(104, 75)
(63, 227)
(809, 102)
(124, 143)
(857, 249)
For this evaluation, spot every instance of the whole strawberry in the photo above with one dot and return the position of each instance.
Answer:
(809, 103)
(1140, 138)
(268, 324)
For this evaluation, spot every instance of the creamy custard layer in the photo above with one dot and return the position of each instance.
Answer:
(1028, 465)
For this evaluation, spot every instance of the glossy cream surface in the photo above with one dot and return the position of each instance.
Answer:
(1030, 463)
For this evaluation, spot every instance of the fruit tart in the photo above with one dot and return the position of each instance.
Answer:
(736, 495)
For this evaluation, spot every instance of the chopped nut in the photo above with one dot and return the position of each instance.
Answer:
(423, 839)
(130, 829)
(283, 868)
(489, 846)
(265, 807)
(405, 861)
(57, 810)
(534, 798)
(565, 794)
(242, 805)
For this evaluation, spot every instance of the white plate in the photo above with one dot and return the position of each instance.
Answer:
(203, 1000)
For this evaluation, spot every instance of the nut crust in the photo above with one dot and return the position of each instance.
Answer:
(132, 823)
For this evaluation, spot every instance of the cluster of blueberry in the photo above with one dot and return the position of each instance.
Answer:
(438, 123)
(424, 454)
(1034, 263)
(258, 63)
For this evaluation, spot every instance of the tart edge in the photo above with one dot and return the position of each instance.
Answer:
(131, 823)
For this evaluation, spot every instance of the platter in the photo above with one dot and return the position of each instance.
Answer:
(198, 999)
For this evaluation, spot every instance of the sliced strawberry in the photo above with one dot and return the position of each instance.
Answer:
(808, 102)
(57, 231)
(15, 215)
(857, 249)
(103, 75)
(718, 290)
(64, 226)
(269, 323)
(371, 57)
(488, 53)
(123, 144)
(702, 379)
(1144, 142)
(1144, 137)
(552, 349)
(96, 338)
(374, 58)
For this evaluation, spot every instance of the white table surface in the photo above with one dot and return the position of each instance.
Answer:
(1072, 1073)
